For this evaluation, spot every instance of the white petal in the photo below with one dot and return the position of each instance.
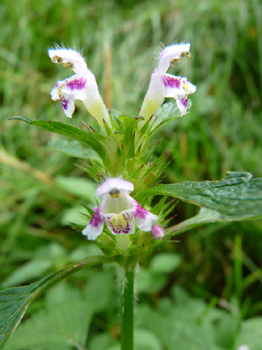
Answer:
(182, 105)
(191, 88)
(68, 104)
(94, 102)
(173, 86)
(69, 57)
(143, 218)
(54, 93)
(114, 183)
(154, 96)
(169, 53)
(95, 226)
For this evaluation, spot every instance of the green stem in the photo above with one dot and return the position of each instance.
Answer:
(238, 266)
(127, 309)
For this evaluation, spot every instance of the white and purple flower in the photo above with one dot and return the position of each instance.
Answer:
(164, 85)
(118, 210)
(81, 86)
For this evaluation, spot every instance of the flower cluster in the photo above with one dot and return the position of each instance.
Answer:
(118, 209)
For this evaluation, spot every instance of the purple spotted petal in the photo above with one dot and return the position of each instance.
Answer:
(171, 81)
(140, 212)
(95, 226)
(121, 223)
(68, 91)
(64, 103)
(76, 84)
(173, 86)
(182, 104)
(143, 218)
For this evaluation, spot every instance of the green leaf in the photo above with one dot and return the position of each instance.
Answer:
(72, 148)
(101, 298)
(101, 341)
(146, 340)
(250, 334)
(82, 188)
(14, 301)
(149, 282)
(60, 294)
(205, 216)
(129, 125)
(87, 250)
(42, 259)
(143, 340)
(165, 263)
(183, 321)
(164, 114)
(26, 272)
(236, 197)
(73, 215)
(177, 328)
(67, 130)
(59, 328)
(115, 114)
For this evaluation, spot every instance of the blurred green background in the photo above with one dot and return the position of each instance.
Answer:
(219, 266)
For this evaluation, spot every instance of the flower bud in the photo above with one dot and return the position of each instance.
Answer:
(157, 232)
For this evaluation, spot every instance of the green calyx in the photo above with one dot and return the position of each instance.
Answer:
(125, 148)
(130, 248)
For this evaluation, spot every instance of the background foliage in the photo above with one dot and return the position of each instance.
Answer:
(41, 188)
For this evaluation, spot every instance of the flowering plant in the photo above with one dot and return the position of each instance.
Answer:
(128, 224)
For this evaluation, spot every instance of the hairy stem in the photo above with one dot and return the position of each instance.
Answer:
(127, 309)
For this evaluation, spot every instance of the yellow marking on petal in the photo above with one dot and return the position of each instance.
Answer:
(118, 220)
(185, 87)
(114, 193)
(188, 54)
(59, 91)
